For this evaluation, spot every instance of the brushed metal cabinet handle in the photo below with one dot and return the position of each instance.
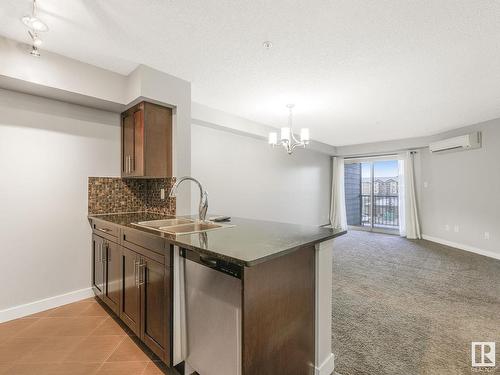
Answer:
(104, 252)
(142, 274)
(136, 272)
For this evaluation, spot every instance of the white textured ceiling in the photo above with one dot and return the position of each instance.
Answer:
(358, 70)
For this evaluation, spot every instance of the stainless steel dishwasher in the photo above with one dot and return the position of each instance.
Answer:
(213, 298)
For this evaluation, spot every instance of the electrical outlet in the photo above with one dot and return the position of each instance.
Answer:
(486, 235)
(162, 194)
(447, 227)
(426, 184)
(456, 228)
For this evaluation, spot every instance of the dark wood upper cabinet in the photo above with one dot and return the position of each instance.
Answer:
(147, 141)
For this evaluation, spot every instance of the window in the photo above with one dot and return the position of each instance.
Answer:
(371, 190)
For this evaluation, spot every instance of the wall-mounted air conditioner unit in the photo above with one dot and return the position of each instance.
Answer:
(464, 142)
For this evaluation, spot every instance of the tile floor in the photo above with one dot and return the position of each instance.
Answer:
(78, 339)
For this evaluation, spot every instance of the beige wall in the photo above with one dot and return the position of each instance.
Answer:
(463, 189)
(47, 151)
(245, 177)
(62, 78)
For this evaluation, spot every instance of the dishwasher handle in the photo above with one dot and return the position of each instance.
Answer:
(214, 263)
(208, 261)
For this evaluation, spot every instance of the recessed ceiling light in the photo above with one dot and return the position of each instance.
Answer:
(267, 44)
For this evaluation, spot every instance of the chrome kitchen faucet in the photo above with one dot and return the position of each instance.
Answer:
(203, 207)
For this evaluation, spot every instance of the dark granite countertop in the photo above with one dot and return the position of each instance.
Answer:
(248, 243)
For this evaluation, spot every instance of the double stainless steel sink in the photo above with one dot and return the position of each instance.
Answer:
(181, 226)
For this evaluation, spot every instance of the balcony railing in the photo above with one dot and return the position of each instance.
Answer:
(385, 210)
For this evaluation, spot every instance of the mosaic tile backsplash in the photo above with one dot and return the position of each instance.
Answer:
(115, 195)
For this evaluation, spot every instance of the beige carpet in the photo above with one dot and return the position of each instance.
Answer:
(410, 307)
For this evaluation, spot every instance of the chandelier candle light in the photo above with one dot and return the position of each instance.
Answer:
(287, 139)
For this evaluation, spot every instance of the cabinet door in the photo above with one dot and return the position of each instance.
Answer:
(128, 143)
(97, 265)
(130, 301)
(133, 142)
(155, 306)
(158, 140)
(147, 138)
(112, 275)
(137, 168)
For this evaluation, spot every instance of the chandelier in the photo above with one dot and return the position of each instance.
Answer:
(287, 139)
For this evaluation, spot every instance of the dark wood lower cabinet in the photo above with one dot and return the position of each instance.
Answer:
(155, 307)
(112, 275)
(137, 286)
(279, 315)
(130, 306)
(106, 273)
(132, 274)
(98, 267)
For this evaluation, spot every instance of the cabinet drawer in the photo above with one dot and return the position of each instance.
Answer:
(103, 228)
(143, 243)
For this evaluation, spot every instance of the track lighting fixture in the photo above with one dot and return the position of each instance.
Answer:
(35, 26)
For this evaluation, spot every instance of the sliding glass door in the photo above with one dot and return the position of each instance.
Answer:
(372, 194)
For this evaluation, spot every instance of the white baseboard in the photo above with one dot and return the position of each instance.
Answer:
(327, 367)
(44, 304)
(460, 246)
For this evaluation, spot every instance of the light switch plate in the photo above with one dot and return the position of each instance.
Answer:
(162, 194)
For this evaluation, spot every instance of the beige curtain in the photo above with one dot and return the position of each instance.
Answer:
(338, 218)
(409, 225)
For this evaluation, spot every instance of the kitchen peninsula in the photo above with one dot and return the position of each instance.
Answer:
(278, 271)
